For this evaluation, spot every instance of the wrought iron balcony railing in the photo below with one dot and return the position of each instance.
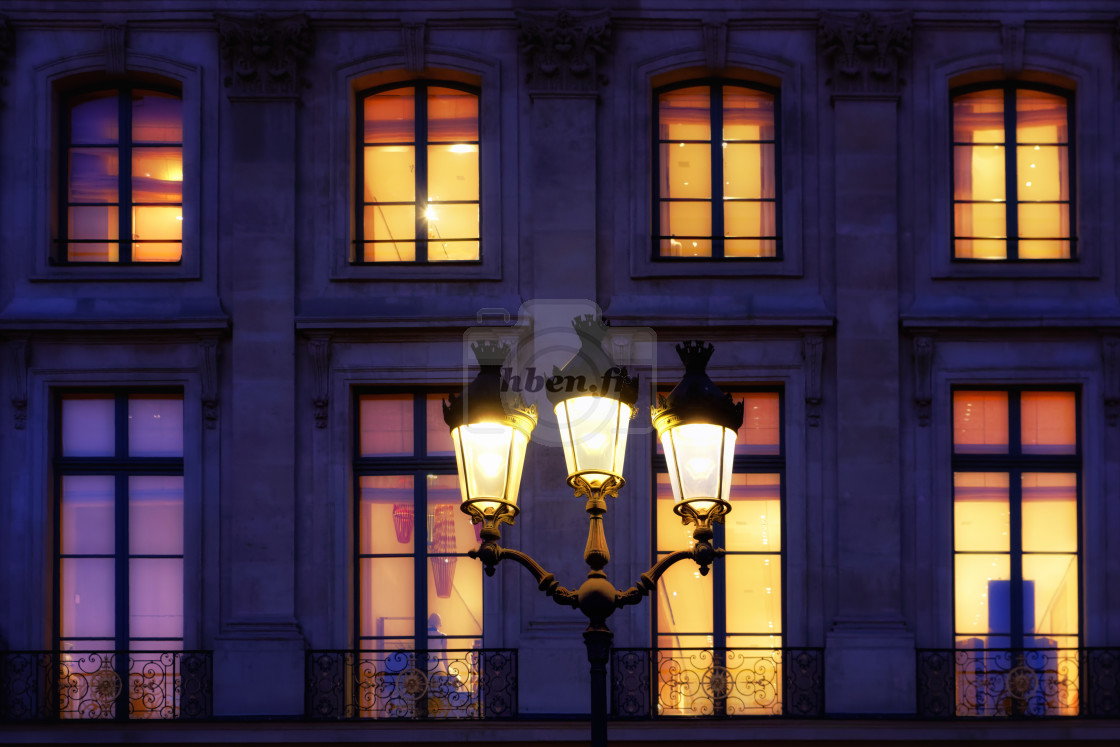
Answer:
(1019, 683)
(407, 684)
(62, 685)
(720, 682)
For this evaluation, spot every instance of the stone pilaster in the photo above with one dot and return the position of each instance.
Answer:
(259, 654)
(870, 664)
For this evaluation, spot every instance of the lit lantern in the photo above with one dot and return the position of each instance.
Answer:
(594, 401)
(697, 424)
(490, 434)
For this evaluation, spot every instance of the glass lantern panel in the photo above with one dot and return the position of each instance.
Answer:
(486, 457)
(593, 430)
(695, 453)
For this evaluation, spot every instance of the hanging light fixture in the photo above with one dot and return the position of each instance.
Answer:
(697, 424)
(594, 401)
(490, 433)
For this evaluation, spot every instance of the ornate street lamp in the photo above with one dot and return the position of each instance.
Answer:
(594, 401)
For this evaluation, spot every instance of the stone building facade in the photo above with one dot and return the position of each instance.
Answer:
(856, 307)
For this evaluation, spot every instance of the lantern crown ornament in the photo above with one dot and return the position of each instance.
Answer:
(592, 370)
(490, 430)
(697, 424)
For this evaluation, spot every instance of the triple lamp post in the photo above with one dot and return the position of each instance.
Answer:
(696, 424)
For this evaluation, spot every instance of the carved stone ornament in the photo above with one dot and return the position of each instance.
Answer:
(1013, 37)
(1110, 357)
(264, 55)
(812, 352)
(413, 40)
(715, 46)
(115, 36)
(320, 348)
(20, 358)
(563, 50)
(923, 378)
(865, 54)
(208, 365)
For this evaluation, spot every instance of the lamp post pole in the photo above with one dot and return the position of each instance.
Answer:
(696, 423)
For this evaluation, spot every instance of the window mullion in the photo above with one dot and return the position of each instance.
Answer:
(124, 176)
(716, 105)
(421, 152)
(1011, 175)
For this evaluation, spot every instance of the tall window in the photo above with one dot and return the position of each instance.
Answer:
(716, 162)
(121, 176)
(119, 544)
(1016, 542)
(1013, 173)
(417, 173)
(414, 587)
(712, 629)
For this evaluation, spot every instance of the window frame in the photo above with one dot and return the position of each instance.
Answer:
(1014, 463)
(1011, 191)
(120, 466)
(420, 143)
(742, 464)
(715, 85)
(418, 465)
(59, 255)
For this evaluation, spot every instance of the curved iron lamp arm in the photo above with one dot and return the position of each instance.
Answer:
(703, 553)
(491, 553)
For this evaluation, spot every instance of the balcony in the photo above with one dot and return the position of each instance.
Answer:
(717, 682)
(113, 685)
(408, 684)
(1019, 683)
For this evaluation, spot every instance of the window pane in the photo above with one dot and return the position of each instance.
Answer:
(452, 172)
(1043, 221)
(748, 219)
(394, 223)
(88, 427)
(686, 247)
(156, 117)
(980, 220)
(439, 435)
(685, 114)
(155, 425)
(1049, 512)
(390, 173)
(452, 251)
(386, 514)
(454, 597)
(93, 118)
(155, 597)
(92, 223)
(761, 429)
(1052, 581)
(387, 597)
(755, 521)
(747, 114)
(981, 249)
(980, 422)
(390, 251)
(157, 223)
(1041, 117)
(88, 518)
(1043, 172)
(138, 661)
(452, 115)
(684, 601)
(1053, 249)
(978, 173)
(978, 117)
(450, 530)
(982, 600)
(754, 593)
(686, 170)
(155, 515)
(1049, 422)
(451, 222)
(157, 175)
(672, 535)
(686, 219)
(748, 171)
(389, 116)
(981, 513)
(386, 424)
(750, 248)
(94, 175)
(87, 602)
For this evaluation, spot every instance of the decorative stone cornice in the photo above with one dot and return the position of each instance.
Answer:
(865, 54)
(563, 50)
(264, 55)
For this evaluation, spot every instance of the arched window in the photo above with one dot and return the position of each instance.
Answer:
(121, 176)
(1013, 185)
(417, 185)
(716, 161)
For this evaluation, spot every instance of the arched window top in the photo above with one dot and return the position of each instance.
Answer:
(1012, 171)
